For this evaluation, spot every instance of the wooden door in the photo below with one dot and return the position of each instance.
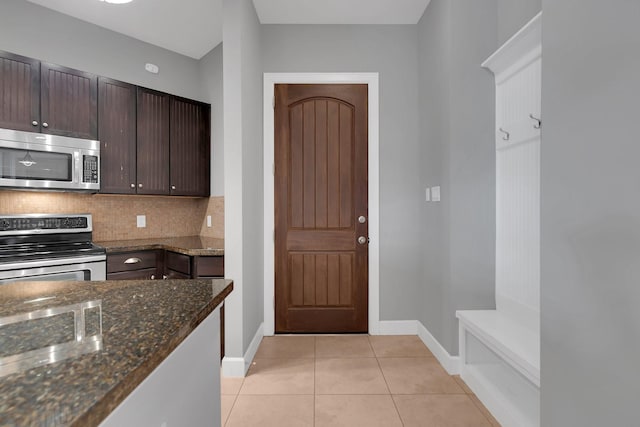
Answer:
(69, 102)
(190, 147)
(117, 135)
(19, 92)
(320, 192)
(152, 163)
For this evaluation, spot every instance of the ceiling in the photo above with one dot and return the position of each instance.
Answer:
(194, 27)
(340, 11)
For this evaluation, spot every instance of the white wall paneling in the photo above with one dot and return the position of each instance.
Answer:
(500, 349)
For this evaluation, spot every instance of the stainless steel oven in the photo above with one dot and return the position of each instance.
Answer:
(49, 247)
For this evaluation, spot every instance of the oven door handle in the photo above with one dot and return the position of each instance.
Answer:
(132, 261)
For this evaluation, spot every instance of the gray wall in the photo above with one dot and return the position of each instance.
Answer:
(41, 33)
(391, 51)
(434, 50)
(212, 85)
(252, 174)
(590, 213)
(457, 116)
(243, 174)
(513, 14)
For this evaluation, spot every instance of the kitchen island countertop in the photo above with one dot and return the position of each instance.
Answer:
(187, 245)
(105, 338)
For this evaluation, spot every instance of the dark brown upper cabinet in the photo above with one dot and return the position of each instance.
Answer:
(190, 147)
(19, 92)
(69, 102)
(47, 98)
(117, 135)
(153, 115)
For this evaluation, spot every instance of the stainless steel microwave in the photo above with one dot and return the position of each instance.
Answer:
(38, 161)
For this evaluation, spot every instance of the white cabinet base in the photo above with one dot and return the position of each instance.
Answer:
(184, 390)
(499, 361)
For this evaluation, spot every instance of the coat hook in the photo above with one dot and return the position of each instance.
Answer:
(506, 134)
(537, 125)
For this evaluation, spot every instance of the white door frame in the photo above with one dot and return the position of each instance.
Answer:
(270, 80)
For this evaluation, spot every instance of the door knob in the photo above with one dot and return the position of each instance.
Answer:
(34, 123)
(362, 219)
(45, 125)
(133, 186)
(362, 240)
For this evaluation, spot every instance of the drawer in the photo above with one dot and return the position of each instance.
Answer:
(145, 274)
(210, 266)
(128, 261)
(178, 262)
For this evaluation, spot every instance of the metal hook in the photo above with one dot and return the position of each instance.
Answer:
(506, 134)
(537, 125)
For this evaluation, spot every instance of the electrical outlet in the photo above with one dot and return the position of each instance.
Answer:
(141, 221)
(209, 221)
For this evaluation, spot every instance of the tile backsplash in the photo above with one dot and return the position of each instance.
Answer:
(114, 217)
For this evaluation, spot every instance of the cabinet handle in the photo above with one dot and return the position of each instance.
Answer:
(35, 123)
(165, 277)
(133, 186)
(173, 187)
(132, 261)
(45, 125)
(139, 185)
(153, 277)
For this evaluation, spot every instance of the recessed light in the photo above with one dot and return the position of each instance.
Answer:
(116, 1)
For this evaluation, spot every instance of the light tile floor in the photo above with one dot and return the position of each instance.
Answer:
(349, 380)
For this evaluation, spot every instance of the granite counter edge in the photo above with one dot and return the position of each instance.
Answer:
(101, 409)
(163, 246)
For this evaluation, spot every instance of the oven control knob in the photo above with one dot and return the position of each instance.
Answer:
(66, 223)
(4, 224)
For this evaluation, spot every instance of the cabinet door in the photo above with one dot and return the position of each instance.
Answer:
(117, 135)
(19, 92)
(69, 102)
(190, 147)
(153, 142)
(209, 266)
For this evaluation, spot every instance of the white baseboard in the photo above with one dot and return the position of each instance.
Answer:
(238, 366)
(450, 363)
(414, 327)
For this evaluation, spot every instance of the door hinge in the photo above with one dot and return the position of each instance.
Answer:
(273, 102)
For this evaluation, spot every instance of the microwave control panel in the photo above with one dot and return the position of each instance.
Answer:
(90, 169)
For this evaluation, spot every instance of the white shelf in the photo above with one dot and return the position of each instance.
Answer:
(512, 340)
(500, 361)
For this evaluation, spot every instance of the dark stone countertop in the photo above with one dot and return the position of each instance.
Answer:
(130, 327)
(188, 245)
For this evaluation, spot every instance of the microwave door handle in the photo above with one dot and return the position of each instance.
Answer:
(76, 169)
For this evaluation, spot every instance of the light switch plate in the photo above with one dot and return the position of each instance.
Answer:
(209, 221)
(141, 221)
(435, 194)
(427, 194)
